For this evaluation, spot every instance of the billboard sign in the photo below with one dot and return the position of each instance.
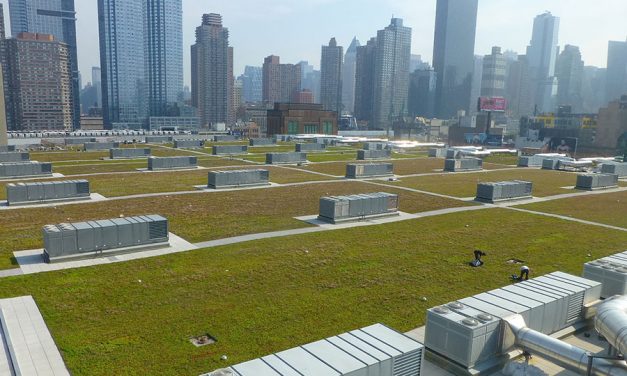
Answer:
(492, 104)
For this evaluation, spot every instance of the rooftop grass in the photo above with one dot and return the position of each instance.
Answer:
(256, 298)
(202, 216)
(545, 182)
(608, 208)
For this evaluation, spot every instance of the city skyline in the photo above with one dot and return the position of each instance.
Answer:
(510, 30)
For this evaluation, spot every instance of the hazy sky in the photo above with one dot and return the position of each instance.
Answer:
(295, 30)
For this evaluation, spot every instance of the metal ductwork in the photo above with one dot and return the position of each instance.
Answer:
(562, 353)
(611, 322)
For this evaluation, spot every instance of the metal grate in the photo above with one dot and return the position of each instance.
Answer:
(158, 229)
(82, 188)
(575, 304)
(408, 364)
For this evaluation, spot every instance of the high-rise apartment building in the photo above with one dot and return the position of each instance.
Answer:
(542, 56)
(493, 74)
(422, 92)
(518, 88)
(364, 80)
(3, 64)
(593, 89)
(252, 81)
(141, 57)
(616, 70)
(569, 74)
(331, 77)
(57, 18)
(212, 70)
(96, 82)
(348, 77)
(281, 82)
(40, 81)
(475, 86)
(310, 79)
(453, 55)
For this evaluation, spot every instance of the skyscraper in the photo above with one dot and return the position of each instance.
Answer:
(331, 77)
(616, 70)
(422, 92)
(493, 74)
(3, 65)
(141, 57)
(310, 79)
(211, 73)
(453, 54)
(54, 17)
(570, 78)
(252, 81)
(518, 88)
(281, 82)
(475, 86)
(542, 56)
(348, 76)
(96, 81)
(364, 80)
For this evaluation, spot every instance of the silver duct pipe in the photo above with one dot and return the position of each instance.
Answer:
(561, 353)
(611, 322)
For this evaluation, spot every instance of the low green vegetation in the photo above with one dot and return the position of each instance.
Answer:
(256, 298)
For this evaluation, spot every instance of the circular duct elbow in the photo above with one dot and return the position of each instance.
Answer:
(611, 322)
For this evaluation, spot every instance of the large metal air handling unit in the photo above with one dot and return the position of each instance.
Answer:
(286, 158)
(464, 164)
(375, 146)
(504, 191)
(42, 192)
(68, 241)
(593, 182)
(94, 146)
(7, 148)
(332, 141)
(337, 209)
(25, 169)
(363, 155)
(371, 170)
(611, 271)
(261, 142)
(538, 159)
(79, 140)
(172, 163)
(310, 147)
(282, 138)
(468, 334)
(158, 139)
(372, 351)
(550, 164)
(238, 178)
(224, 138)
(437, 152)
(454, 154)
(128, 153)
(189, 144)
(619, 169)
(14, 157)
(229, 149)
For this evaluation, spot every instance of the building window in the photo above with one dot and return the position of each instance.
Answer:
(292, 127)
(311, 128)
(327, 127)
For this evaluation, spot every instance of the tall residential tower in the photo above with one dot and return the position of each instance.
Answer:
(348, 76)
(542, 58)
(331, 77)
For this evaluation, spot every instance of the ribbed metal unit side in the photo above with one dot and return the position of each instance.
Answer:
(229, 149)
(464, 164)
(310, 147)
(189, 144)
(224, 138)
(332, 141)
(619, 169)
(158, 139)
(454, 154)
(261, 142)
(469, 332)
(363, 155)
(437, 153)
(171, 163)
(286, 158)
(504, 191)
(25, 169)
(358, 171)
(68, 241)
(281, 138)
(550, 164)
(611, 271)
(79, 140)
(335, 209)
(7, 148)
(238, 178)
(591, 182)
(93, 146)
(14, 157)
(128, 153)
(375, 146)
(371, 351)
(22, 193)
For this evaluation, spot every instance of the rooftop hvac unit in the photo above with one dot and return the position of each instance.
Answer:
(619, 169)
(261, 142)
(69, 241)
(311, 147)
(437, 153)
(591, 182)
(464, 164)
(326, 140)
(504, 191)
(13, 157)
(363, 155)
(158, 139)
(238, 178)
(79, 140)
(93, 146)
(374, 351)
(550, 164)
(23, 193)
(286, 158)
(25, 169)
(171, 163)
(229, 149)
(189, 144)
(224, 138)
(357, 171)
(453, 154)
(7, 148)
(611, 272)
(469, 332)
(337, 209)
(375, 146)
(129, 153)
